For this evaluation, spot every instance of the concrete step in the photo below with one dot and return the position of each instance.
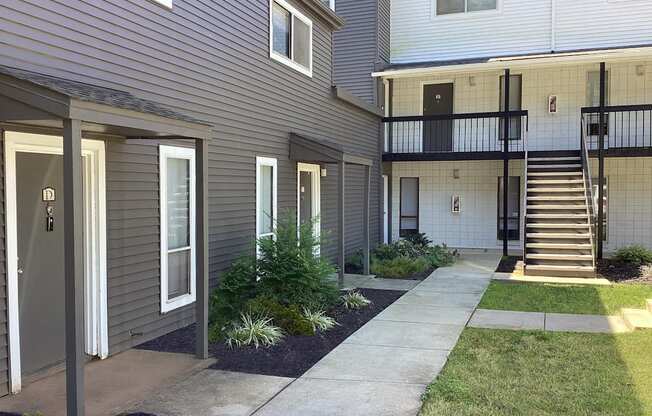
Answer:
(557, 190)
(559, 236)
(555, 166)
(554, 225)
(559, 216)
(637, 318)
(553, 182)
(569, 207)
(556, 198)
(576, 173)
(569, 257)
(554, 159)
(559, 246)
(559, 271)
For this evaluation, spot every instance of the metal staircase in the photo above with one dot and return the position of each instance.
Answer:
(559, 220)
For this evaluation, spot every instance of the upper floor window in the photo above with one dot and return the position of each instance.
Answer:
(464, 6)
(290, 37)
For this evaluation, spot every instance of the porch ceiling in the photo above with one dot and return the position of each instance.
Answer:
(34, 99)
(304, 149)
(483, 64)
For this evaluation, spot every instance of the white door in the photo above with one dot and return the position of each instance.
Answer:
(308, 196)
(385, 209)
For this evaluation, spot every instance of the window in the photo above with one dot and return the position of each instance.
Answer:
(177, 207)
(409, 209)
(464, 6)
(513, 208)
(290, 37)
(266, 185)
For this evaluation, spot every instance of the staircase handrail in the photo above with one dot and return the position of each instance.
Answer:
(591, 201)
(524, 201)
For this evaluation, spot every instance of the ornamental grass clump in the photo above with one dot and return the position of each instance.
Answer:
(354, 300)
(253, 331)
(319, 320)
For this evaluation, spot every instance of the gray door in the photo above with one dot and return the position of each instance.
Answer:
(437, 134)
(40, 257)
(305, 197)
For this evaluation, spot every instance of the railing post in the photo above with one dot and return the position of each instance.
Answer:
(390, 113)
(506, 163)
(601, 128)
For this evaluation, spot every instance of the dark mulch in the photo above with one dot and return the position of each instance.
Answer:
(508, 264)
(619, 272)
(294, 355)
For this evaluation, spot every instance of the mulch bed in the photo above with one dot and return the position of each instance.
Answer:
(508, 264)
(618, 272)
(290, 358)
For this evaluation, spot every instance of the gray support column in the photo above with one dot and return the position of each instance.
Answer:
(74, 271)
(365, 219)
(341, 172)
(201, 223)
(601, 127)
(506, 164)
(390, 221)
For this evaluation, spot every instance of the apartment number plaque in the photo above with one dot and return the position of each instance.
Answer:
(48, 194)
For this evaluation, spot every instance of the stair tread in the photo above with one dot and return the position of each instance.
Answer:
(556, 198)
(550, 159)
(560, 256)
(556, 190)
(561, 246)
(553, 181)
(556, 166)
(555, 267)
(572, 207)
(560, 236)
(553, 225)
(637, 318)
(574, 173)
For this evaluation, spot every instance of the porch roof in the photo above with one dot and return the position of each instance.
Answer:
(516, 61)
(43, 100)
(318, 151)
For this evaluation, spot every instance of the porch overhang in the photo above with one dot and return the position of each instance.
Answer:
(303, 149)
(499, 63)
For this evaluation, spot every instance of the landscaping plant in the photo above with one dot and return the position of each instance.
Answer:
(635, 254)
(319, 320)
(399, 267)
(253, 331)
(289, 318)
(354, 300)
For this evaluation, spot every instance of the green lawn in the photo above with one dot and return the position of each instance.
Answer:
(498, 373)
(539, 297)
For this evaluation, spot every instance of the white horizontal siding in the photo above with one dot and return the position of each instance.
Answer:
(518, 27)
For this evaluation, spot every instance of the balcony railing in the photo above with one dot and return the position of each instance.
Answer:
(455, 133)
(591, 198)
(625, 127)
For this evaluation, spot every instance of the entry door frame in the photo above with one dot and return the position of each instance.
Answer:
(315, 170)
(424, 84)
(95, 299)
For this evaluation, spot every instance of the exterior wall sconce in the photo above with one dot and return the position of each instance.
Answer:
(456, 204)
(323, 172)
(472, 81)
(552, 104)
(640, 70)
(456, 173)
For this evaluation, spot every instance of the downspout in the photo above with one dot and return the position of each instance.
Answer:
(553, 25)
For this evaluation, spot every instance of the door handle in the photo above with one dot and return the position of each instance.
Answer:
(19, 271)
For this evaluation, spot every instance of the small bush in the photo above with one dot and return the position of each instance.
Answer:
(385, 252)
(353, 263)
(253, 331)
(355, 300)
(635, 254)
(319, 320)
(288, 318)
(440, 256)
(399, 267)
(418, 240)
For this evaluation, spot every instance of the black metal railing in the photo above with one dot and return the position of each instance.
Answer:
(625, 126)
(469, 132)
(591, 199)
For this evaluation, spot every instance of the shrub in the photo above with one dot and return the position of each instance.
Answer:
(399, 267)
(635, 254)
(353, 263)
(236, 287)
(385, 252)
(256, 331)
(288, 318)
(418, 240)
(440, 256)
(289, 269)
(319, 320)
(355, 300)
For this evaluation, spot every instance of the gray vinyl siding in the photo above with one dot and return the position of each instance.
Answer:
(356, 47)
(209, 60)
(4, 339)
(384, 30)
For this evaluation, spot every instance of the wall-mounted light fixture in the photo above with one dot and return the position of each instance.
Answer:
(323, 172)
(640, 70)
(552, 104)
(472, 81)
(456, 173)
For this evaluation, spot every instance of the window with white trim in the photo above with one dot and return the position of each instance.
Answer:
(290, 37)
(444, 7)
(266, 189)
(177, 207)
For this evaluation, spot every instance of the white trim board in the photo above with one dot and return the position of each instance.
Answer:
(95, 299)
(284, 59)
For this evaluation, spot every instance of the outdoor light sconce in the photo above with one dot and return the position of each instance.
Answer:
(640, 70)
(552, 104)
(472, 81)
(456, 173)
(456, 204)
(323, 172)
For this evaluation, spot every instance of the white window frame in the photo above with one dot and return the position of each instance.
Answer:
(282, 58)
(260, 162)
(164, 3)
(165, 153)
(433, 11)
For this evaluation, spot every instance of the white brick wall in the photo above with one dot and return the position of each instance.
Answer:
(629, 190)
(558, 131)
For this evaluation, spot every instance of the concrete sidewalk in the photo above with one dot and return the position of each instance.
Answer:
(558, 322)
(384, 367)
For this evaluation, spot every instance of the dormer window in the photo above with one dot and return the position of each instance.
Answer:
(464, 6)
(290, 37)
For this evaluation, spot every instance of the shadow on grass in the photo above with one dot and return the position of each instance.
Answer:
(498, 372)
